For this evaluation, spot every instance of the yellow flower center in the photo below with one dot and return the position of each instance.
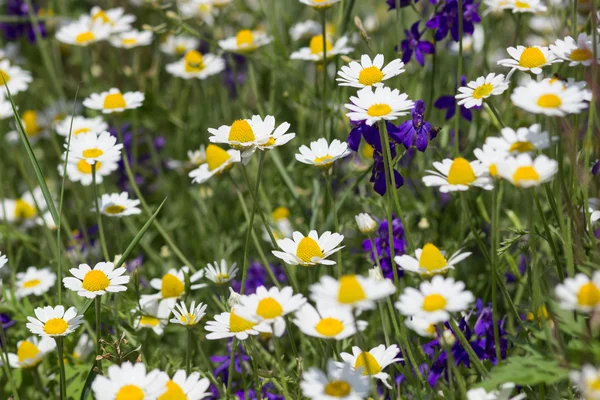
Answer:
(81, 130)
(4, 77)
(188, 319)
(532, 57)
(350, 290)
(483, 91)
(581, 55)
(92, 153)
(85, 37)
(368, 151)
(24, 210)
(370, 76)
(526, 173)
(521, 4)
(316, 45)
(129, 42)
(280, 213)
(146, 320)
(30, 123)
(589, 295)
(56, 326)
(461, 172)
(194, 62)
(114, 209)
(329, 327)
(241, 132)
(338, 388)
(27, 351)
(434, 302)
(114, 100)
(239, 324)
(307, 249)
(221, 278)
(594, 384)
(130, 392)
(31, 283)
(244, 38)
(269, 308)
(368, 363)
(85, 168)
(493, 169)
(179, 49)
(379, 110)
(269, 142)
(174, 392)
(171, 286)
(215, 157)
(549, 101)
(95, 281)
(432, 258)
(324, 162)
(521, 147)
(102, 16)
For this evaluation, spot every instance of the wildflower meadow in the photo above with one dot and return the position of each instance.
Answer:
(299, 199)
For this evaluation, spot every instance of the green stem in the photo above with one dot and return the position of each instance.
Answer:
(99, 216)
(336, 223)
(549, 239)
(188, 353)
(467, 346)
(494, 253)
(98, 307)
(230, 372)
(458, 77)
(324, 99)
(281, 367)
(61, 360)
(495, 112)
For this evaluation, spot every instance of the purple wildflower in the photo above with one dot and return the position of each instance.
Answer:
(378, 173)
(448, 103)
(224, 361)
(446, 20)
(413, 43)
(15, 30)
(234, 75)
(257, 276)
(382, 247)
(596, 167)
(416, 132)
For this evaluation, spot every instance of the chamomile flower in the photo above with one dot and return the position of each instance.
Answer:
(321, 154)
(305, 29)
(31, 351)
(587, 381)
(503, 394)
(580, 293)
(179, 45)
(327, 322)
(131, 39)
(524, 171)
(54, 321)
(272, 305)
(523, 140)
(429, 260)
(103, 278)
(115, 19)
(171, 287)
(196, 65)
(217, 162)
(310, 250)
(3, 260)
(383, 104)
(365, 223)
(34, 282)
(35, 126)
(278, 137)
(245, 41)
(335, 384)
(186, 387)
(320, 4)
(351, 291)
(369, 72)
(6, 109)
(16, 78)
(476, 91)
(80, 125)
(220, 273)
(458, 175)
(94, 148)
(81, 171)
(435, 299)
(372, 362)
(283, 227)
(551, 98)
(314, 52)
(580, 52)
(188, 318)
(84, 348)
(114, 101)
(531, 59)
(151, 317)
(130, 381)
(490, 158)
(421, 326)
(83, 32)
(238, 323)
(525, 6)
(24, 210)
(204, 9)
(118, 205)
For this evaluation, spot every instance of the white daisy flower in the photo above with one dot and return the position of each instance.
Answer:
(131, 39)
(84, 348)
(580, 52)
(115, 19)
(372, 362)
(3, 260)
(114, 101)
(83, 32)
(34, 282)
(503, 394)
(305, 29)
(310, 250)
(80, 125)
(351, 291)
(217, 162)
(103, 278)
(24, 210)
(523, 140)
(117, 205)
(203, 9)
(220, 273)
(272, 305)
(171, 287)
(54, 321)
(528, 59)
(35, 125)
(130, 381)
(245, 41)
(319, 3)
(327, 322)
(81, 171)
(369, 73)
(476, 91)
(525, 6)
(551, 98)
(279, 137)
(490, 158)
(458, 175)
(179, 45)
(16, 78)
(283, 227)
(337, 383)
(382, 104)
(587, 381)
(523, 171)
(495, 6)
(151, 317)
(429, 260)
(580, 293)
(196, 65)
(221, 3)
(188, 318)
(31, 351)
(185, 387)
(314, 52)
(421, 326)
(435, 299)
(6, 110)
(365, 223)
(93, 148)
(321, 154)
(238, 323)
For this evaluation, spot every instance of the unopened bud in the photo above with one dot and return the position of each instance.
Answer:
(365, 223)
(423, 223)
(165, 252)
(448, 338)
(234, 298)
(375, 274)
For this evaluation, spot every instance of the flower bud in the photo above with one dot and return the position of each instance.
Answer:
(365, 223)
